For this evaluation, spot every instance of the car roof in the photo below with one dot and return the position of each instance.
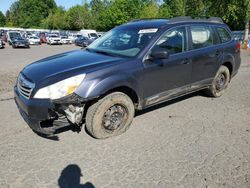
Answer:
(159, 23)
(145, 23)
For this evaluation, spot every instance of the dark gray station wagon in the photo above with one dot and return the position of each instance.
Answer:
(132, 67)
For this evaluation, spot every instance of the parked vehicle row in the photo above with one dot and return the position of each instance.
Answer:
(239, 36)
(23, 39)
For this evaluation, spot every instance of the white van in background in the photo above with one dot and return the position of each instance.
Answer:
(89, 33)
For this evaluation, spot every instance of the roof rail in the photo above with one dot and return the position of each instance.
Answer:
(215, 19)
(190, 19)
(142, 19)
(180, 19)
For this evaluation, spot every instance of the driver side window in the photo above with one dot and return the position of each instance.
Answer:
(174, 41)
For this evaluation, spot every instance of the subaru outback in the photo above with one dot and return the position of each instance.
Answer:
(134, 66)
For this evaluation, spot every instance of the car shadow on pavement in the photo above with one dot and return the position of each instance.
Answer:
(71, 178)
(173, 101)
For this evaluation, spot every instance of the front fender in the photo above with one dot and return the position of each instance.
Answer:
(90, 89)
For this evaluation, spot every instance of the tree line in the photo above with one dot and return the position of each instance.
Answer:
(103, 15)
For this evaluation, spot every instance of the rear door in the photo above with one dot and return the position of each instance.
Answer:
(206, 56)
(231, 51)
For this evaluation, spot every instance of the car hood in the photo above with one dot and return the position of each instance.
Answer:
(55, 38)
(34, 39)
(66, 64)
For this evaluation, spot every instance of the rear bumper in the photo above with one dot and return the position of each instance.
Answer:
(21, 45)
(66, 42)
(35, 43)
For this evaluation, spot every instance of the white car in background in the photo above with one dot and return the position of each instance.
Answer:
(34, 40)
(73, 36)
(65, 39)
(54, 39)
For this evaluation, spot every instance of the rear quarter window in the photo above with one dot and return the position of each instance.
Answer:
(224, 35)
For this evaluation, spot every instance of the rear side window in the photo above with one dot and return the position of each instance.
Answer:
(202, 36)
(223, 34)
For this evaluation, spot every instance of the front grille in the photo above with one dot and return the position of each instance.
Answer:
(24, 86)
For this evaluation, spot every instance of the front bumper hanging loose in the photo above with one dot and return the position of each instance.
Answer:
(45, 116)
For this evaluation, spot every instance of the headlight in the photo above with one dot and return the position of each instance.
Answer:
(60, 89)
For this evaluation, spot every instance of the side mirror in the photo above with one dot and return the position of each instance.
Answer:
(159, 54)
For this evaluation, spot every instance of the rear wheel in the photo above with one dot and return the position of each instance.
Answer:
(220, 82)
(110, 116)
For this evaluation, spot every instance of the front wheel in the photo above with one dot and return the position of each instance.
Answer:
(220, 82)
(110, 116)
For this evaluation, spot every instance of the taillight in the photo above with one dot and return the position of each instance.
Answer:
(238, 46)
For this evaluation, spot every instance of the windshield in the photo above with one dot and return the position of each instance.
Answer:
(14, 35)
(53, 36)
(83, 38)
(123, 42)
(93, 35)
(19, 38)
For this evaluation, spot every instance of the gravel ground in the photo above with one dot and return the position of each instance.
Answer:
(194, 141)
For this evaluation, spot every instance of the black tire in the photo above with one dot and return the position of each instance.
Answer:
(96, 115)
(217, 88)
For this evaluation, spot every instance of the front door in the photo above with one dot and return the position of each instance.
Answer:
(166, 77)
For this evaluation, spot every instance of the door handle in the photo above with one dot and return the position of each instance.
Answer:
(185, 61)
(217, 52)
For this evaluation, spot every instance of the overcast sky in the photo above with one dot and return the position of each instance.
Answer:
(5, 4)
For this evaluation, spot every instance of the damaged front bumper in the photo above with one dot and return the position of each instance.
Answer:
(45, 116)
